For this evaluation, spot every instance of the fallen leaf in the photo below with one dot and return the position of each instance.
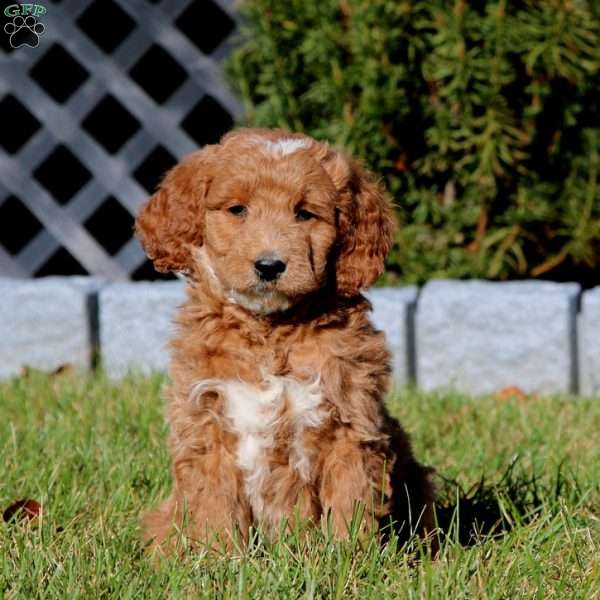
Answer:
(23, 510)
(511, 391)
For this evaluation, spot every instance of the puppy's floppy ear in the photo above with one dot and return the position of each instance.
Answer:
(172, 220)
(365, 225)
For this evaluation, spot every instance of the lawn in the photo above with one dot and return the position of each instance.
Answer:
(519, 503)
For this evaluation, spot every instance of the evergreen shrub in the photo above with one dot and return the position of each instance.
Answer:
(482, 117)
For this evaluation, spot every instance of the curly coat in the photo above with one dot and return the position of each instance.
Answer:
(276, 405)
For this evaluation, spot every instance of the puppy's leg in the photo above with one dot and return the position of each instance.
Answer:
(207, 504)
(353, 476)
(288, 499)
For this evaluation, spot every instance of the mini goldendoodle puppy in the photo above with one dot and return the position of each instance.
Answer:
(278, 378)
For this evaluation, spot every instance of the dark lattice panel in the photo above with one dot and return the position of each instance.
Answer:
(115, 93)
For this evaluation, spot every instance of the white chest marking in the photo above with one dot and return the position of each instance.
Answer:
(255, 415)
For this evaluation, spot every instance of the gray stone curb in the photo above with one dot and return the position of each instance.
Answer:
(474, 336)
(393, 313)
(46, 323)
(136, 323)
(589, 346)
(479, 337)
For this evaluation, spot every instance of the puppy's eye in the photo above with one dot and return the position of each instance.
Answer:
(305, 215)
(238, 210)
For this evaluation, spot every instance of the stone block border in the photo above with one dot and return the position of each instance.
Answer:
(473, 336)
(482, 336)
(589, 343)
(47, 323)
(135, 323)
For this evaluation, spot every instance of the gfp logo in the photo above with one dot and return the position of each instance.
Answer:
(24, 29)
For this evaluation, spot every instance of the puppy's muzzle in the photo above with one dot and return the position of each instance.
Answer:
(269, 268)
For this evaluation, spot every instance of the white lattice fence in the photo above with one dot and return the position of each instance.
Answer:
(114, 94)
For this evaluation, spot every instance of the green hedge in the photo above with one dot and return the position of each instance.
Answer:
(482, 117)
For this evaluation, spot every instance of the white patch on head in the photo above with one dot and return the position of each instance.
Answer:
(254, 413)
(284, 146)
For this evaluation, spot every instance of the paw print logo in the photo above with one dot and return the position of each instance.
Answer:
(24, 31)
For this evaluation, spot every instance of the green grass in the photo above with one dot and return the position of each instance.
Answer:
(519, 488)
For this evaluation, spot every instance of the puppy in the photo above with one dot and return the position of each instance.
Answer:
(278, 378)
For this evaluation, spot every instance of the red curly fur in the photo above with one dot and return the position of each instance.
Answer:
(276, 398)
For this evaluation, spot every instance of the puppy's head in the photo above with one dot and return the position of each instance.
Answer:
(270, 216)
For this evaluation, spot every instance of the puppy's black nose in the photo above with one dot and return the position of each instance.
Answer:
(269, 268)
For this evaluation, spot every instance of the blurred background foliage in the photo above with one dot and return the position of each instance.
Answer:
(482, 117)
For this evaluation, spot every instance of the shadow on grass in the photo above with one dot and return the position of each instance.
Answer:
(493, 509)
